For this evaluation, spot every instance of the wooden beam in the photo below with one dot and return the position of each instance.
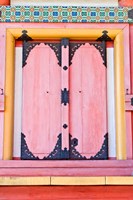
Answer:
(9, 95)
(57, 33)
(122, 180)
(120, 97)
(24, 181)
(4, 2)
(77, 180)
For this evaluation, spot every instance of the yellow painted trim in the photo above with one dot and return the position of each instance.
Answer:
(120, 97)
(77, 180)
(24, 180)
(103, 180)
(9, 100)
(74, 33)
(82, 33)
(122, 180)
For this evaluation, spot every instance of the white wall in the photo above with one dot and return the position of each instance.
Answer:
(99, 3)
(17, 102)
(111, 102)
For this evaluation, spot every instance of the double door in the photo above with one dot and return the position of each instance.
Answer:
(64, 109)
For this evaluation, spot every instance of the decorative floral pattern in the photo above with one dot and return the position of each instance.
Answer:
(64, 14)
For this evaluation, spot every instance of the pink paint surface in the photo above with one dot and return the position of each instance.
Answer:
(41, 100)
(88, 100)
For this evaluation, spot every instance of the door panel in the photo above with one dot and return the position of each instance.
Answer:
(64, 101)
(88, 99)
(41, 100)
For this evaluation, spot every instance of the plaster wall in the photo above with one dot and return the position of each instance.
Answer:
(65, 3)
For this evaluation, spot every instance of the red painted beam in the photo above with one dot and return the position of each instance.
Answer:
(126, 3)
(67, 192)
(4, 2)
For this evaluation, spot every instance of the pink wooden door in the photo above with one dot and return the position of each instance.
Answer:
(88, 120)
(41, 117)
(64, 101)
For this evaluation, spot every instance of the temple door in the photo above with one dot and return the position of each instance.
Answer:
(64, 101)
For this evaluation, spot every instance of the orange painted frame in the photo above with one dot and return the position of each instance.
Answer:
(83, 29)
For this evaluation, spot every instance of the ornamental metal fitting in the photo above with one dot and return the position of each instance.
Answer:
(104, 37)
(65, 96)
(24, 37)
(65, 42)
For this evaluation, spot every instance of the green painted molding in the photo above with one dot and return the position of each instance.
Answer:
(65, 14)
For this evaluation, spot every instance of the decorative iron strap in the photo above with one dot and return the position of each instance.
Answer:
(56, 47)
(65, 154)
(26, 154)
(28, 46)
(99, 46)
(72, 49)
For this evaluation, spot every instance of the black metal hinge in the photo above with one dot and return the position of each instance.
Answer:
(130, 14)
(65, 96)
(65, 42)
